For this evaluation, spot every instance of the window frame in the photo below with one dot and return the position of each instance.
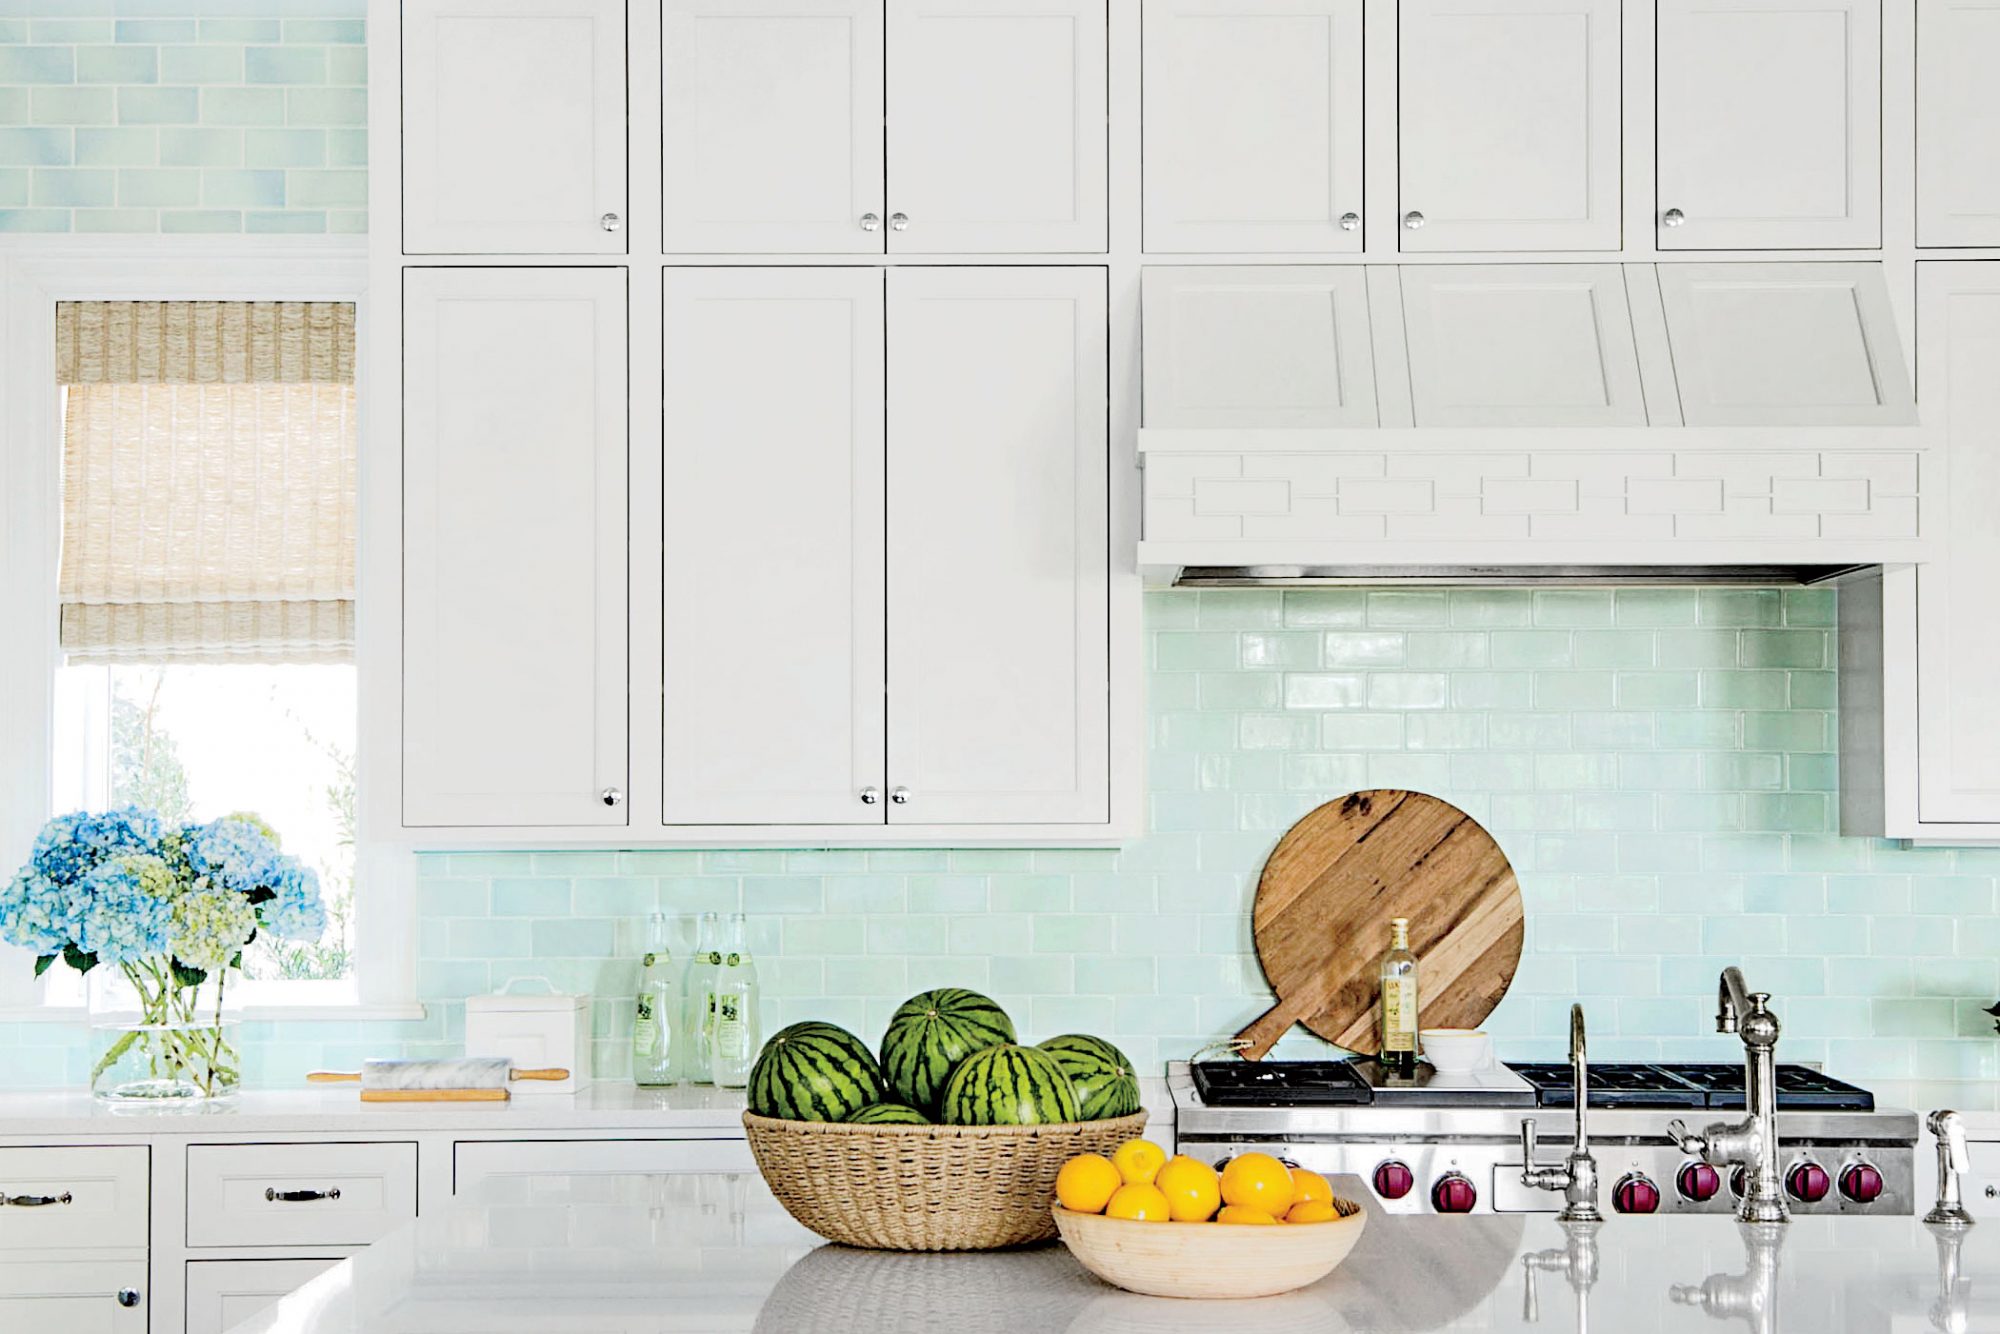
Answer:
(235, 268)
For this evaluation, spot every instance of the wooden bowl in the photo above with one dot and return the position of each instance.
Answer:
(1212, 1260)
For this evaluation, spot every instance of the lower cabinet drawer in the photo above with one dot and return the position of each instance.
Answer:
(475, 1160)
(298, 1194)
(74, 1198)
(74, 1297)
(222, 1294)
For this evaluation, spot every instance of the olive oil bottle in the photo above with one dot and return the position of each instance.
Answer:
(1397, 1017)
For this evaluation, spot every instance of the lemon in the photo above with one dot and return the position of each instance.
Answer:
(1312, 1211)
(1244, 1213)
(1307, 1185)
(1086, 1183)
(1192, 1189)
(1140, 1202)
(1139, 1161)
(1257, 1181)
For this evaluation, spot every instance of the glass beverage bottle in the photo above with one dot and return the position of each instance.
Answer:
(1398, 1015)
(698, 996)
(657, 1048)
(734, 1037)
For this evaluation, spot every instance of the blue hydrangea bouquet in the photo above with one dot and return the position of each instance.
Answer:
(172, 910)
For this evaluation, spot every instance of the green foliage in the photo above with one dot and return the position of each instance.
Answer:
(146, 768)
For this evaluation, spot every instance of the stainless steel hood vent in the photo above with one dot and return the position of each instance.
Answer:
(1502, 576)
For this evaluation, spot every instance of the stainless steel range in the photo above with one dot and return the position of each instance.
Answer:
(1453, 1143)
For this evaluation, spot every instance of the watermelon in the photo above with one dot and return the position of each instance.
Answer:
(1008, 1086)
(814, 1072)
(888, 1114)
(1098, 1072)
(928, 1036)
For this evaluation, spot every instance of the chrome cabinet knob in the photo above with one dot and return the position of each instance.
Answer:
(1673, 217)
(870, 795)
(871, 222)
(611, 222)
(899, 222)
(900, 795)
(1413, 220)
(1350, 222)
(128, 1297)
(612, 796)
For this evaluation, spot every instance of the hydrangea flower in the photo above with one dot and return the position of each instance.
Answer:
(209, 928)
(298, 912)
(118, 921)
(34, 913)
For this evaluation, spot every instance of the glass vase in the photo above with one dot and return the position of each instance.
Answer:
(154, 1041)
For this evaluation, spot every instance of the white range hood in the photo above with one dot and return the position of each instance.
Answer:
(1548, 421)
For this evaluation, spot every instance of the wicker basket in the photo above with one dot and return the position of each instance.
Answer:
(925, 1188)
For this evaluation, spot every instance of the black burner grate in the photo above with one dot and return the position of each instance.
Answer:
(1716, 1085)
(1281, 1084)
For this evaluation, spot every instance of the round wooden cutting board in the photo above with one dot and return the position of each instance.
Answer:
(1321, 917)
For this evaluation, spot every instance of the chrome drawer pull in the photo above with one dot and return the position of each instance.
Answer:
(35, 1201)
(299, 1196)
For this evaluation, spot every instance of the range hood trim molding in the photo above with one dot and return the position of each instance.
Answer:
(1435, 440)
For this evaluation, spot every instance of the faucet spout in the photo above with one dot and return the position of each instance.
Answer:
(1732, 1000)
(1577, 1177)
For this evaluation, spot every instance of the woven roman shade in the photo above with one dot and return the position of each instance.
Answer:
(208, 481)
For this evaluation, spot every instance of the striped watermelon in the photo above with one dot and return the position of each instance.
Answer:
(814, 1072)
(888, 1114)
(928, 1036)
(1099, 1073)
(1008, 1086)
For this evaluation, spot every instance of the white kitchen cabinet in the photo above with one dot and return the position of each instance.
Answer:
(772, 129)
(1785, 345)
(1259, 346)
(514, 560)
(1958, 123)
(1521, 345)
(1509, 124)
(514, 126)
(998, 557)
(1252, 126)
(248, 1195)
(222, 1294)
(1958, 637)
(74, 1198)
(773, 595)
(996, 126)
(473, 1161)
(1769, 124)
(75, 1297)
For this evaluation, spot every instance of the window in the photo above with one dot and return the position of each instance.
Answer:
(207, 581)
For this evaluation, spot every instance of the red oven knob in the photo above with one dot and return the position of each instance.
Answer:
(1807, 1183)
(1698, 1182)
(1861, 1183)
(1394, 1180)
(1739, 1181)
(1454, 1194)
(1635, 1193)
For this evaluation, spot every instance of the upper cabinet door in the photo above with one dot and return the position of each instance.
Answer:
(1785, 345)
(773, 580)
(1958, 637)
(1510, 125)
(1253, 126)
(1521, 345)
(997, 133)
(1958, 123)
(514, 127)
(998, 546)
(1770, 124)
(514, 547)
(772, 137)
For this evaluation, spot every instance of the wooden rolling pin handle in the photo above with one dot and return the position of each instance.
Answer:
(554, 1074)
(334, 1077)
(1264, 1031)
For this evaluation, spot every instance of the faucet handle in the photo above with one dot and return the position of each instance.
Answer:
(1687, 1141)
(1949, 1128)
(1527, 1146)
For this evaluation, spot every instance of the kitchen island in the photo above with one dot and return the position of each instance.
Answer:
(636, 1254)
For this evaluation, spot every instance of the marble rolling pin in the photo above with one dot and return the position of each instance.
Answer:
(453, 1079)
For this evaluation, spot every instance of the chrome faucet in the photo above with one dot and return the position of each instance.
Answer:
(1952, 1163)
(1753, 1141)
(1577, 1177)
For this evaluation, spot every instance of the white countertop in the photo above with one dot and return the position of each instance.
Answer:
(633, 1255)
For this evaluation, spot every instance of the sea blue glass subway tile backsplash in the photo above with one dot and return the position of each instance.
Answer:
(1658, 764)
(138, 116)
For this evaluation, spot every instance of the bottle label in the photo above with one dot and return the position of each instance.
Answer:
(1399, 1014)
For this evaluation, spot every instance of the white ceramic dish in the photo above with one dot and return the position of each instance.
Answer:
(1456, 1051)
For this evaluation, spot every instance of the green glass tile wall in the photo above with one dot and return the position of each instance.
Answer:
(1658, 764)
